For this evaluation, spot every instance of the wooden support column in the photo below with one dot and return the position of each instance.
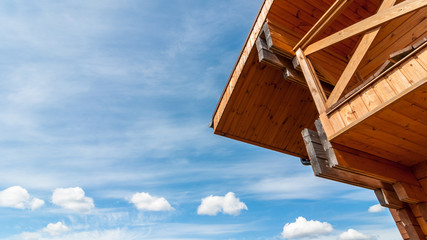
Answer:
(357, 58)
(313, 83)
(366, 24)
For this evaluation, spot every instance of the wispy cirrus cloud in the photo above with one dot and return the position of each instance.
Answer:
(175, 231)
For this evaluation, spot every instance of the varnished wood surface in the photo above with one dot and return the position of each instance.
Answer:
(266, 110)
(248, 75)
(388, 118)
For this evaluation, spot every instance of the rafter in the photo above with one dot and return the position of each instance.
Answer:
(313, 82)
(366, 24)
(333, 12)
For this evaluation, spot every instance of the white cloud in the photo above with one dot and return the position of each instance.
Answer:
(144, 201)
(352, 234)
(302, 228)
(56, 229)
(228, 204)
(376, 208)
(36, 203)
(18, 197)
(73, 199)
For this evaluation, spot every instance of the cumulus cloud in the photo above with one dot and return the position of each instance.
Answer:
(18, 197)
(352, 234)
(73, 199)
(144, 201)
(229, 204)
(302, 228)
(56, 229)
(376, 208)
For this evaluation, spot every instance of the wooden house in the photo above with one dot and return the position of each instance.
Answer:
(341, 84)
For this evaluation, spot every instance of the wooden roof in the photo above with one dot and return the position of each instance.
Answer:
(261, 107)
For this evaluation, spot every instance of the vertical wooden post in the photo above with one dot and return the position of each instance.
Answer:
(313, 82)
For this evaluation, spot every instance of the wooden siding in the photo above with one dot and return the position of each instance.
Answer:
(388, 118)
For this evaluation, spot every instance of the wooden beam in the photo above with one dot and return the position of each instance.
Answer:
(324, 76)
(388, 198)
(352, 160)
(276, 42)
(272, 59)
(357, 58)
(369, 165)
(409, 193)
(321, 168)
(313, 83)
(279, 43)
(366, 24)
(369, 82)
(420, 170)
(267, 56)
(410, 223)
(350, 69)
(330, 15)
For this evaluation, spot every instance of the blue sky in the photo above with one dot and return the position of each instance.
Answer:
(104, 131)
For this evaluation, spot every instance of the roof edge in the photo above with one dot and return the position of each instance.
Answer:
(255, 30)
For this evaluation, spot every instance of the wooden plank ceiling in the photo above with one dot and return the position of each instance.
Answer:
(260, 107)
(266, 110)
